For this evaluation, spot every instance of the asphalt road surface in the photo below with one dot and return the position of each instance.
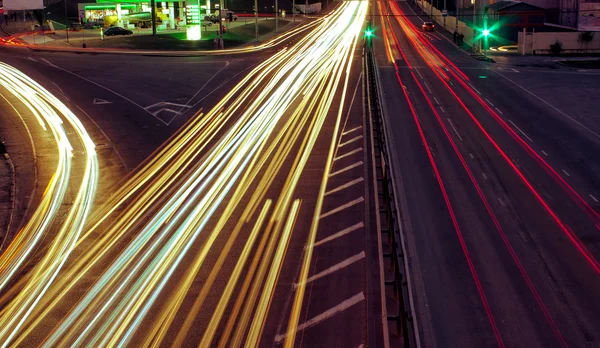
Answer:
(235, 211)
(499, 191)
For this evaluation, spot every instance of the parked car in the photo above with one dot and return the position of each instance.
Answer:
(211, 19)
(428, 26)
(231, 16)
(117, 31)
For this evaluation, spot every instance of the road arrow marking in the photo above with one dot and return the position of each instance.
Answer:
(98, 101)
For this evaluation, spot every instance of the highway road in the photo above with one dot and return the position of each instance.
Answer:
(499, 192)
(248, 225)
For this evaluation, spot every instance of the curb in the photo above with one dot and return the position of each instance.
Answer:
(13, 186)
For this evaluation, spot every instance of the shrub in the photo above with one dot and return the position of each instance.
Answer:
(556, 47)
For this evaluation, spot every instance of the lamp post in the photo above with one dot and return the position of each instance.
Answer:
(66, 22)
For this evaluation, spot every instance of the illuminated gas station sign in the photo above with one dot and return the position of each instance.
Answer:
(192, 14)
(192, 20)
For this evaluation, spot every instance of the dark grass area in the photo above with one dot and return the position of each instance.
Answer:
(582, 64)
(176, 41)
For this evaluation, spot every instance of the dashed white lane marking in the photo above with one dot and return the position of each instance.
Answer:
(418, 73)
(347, 262)
(454, 128)
(429, 89)
(500, 112)
(501, 202)
(436, 101)
(350, 141)
(348, 154)
(357, 164)
(339, 234)
(474, 88)
(441, 108)
(566, 173)
(33, 59)
(484, 176)
(520, 131)
(342, 207)
(515, 70)
(346, 185)
(545, 153)
(594, 198)
(351, 130)
(553, 284)
(487, 100)
(471, 155)
(325, 315)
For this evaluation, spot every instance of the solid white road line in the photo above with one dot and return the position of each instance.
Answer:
(347, 262)
(346, 185)
(326, 315)
(351, 130)
(350, 141)
(520, 131)
(357, 164)
(550, 105)
(340, 234)
(348, 154)
(340, 208)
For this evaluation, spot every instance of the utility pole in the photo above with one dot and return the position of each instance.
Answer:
(457, 8)
(256, 18)
(306, 8)
(153, 11)
(294, 10)
(66, 21)
(276, 15)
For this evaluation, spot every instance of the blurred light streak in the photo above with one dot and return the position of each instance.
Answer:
(258, 138)
(51, 114)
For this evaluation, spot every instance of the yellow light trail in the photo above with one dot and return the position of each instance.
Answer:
(217, 171)
(52, 115)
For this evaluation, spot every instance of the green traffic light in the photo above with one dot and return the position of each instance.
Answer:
(369, 33)
(486, 32)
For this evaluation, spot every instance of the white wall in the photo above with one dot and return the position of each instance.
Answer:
(539, 43)
(14, 5)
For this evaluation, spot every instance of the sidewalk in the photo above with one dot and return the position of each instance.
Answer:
(170, 42)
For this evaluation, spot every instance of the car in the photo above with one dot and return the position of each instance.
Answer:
(232, 17)
(117, 31)
(428, 26)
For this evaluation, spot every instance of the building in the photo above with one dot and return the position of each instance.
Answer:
(508, 18)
